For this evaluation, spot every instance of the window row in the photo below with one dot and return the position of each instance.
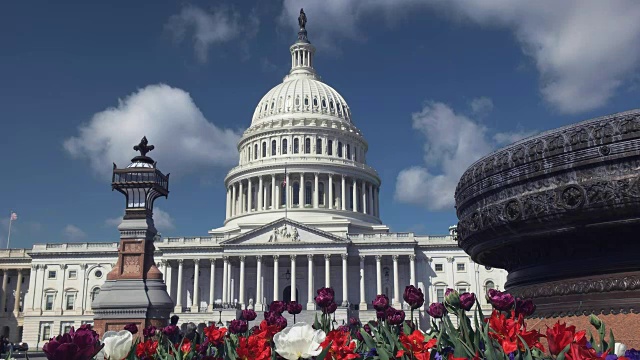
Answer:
(69, 299)
(461, 287)
(461, 267)
(309, 146)
(65, 327)
(71, 274)
(306, 103)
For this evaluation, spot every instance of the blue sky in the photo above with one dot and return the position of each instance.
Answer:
(433, 86)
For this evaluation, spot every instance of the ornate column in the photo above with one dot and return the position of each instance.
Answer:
(452, 273)
(310, 303)
(168, 277)
(233, 201)
(212, 278)
(343, 193)
(241, 201)
(330, 191)
(363, 301)
(301, 199)
(249, 195)
(61, 279)
(276, 286)
(163, 265)
(364, 198)
(259, 296)
(33, 280)
(241, 296)
(293, 277)
(355, 196)
(287, 185)
(396, 288)
(371, 209)
(378, 274)
(178, 308)
(195, 306)
(315, 192)
(225, 278)
(377, 201)
(412, 269)
(228, 213)
(3, 301)
(260, 194)
(274, 204)
(16, 303)
(327, 270)
(345, 288)
(230, 282)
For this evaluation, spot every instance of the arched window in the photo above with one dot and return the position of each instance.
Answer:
(324, 103)
(306, 101)
(321, 194)
(355, 153)
(307, 193)
(283, 150)
(488, 286)
(273, 103)
(94, 293)
(249, 152)
(273, 148)
(307, 146)
(296, 193)
(318, 146)
(462, 287)
(330, 147)
(348, 151)
(264, 149)
(297, 101)
(331, 105)
(296, 146)
(315, 102)
(255, 151)
(339, 149)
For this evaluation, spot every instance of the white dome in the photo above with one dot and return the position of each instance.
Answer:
(301, 95)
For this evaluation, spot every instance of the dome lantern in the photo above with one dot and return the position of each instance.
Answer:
(302, 52)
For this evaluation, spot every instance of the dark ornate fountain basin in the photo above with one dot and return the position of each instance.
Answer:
(561, 212)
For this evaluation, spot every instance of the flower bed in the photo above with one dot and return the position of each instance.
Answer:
(500, 336)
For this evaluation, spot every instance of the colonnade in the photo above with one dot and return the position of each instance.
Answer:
(287, 260)
(302, 190)
(6, 292)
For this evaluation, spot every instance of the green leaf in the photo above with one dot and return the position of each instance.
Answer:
(612, 342)
(527, 354)
(367, 339)
(406, 329)
(324, 352)
(383, 354)
(316, 323)
(488, 344)
(563, 352)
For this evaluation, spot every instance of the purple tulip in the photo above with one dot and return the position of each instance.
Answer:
(325, 297)
(525, 307)
(367, 329)
(277, 307)
(381, 314)
(354, 321)
(413, 296)
(249, 315)
(331, 308)
(436, 310)
(238, 327)
(132, 328)
(294, 308)
(381, 302)
(170, 330)
(467, 300)
(501, 301)
(395, 317)
(343, 328)
(149, 331)
(82, 344)
(281, 322)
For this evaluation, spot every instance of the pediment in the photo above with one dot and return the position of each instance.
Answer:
(284, 231)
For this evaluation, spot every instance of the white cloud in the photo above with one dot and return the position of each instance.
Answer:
(481, 106)
(168, 117)
(73, 233)
(162, 220)
(583, 50)
(452, 142)
(208, 28)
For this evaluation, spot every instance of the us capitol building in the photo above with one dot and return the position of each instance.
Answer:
(302, 212)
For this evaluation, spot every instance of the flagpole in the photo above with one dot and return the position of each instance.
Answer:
(10, 222)
(286, 189)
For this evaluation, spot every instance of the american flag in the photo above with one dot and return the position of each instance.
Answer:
(14, 216)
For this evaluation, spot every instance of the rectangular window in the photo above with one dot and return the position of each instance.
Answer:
(440, 295)
(46, 332)
(51, 274)
(71, 299)
(48, 302)
(462, 289)
(330, 147)
(73, 274)
(65, 327)
(439, 267)
(460, 266)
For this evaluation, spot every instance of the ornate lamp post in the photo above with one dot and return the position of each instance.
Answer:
(134, 291)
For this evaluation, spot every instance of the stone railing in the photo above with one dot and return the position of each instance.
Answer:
(13, 253)
(194, 240)
(100, 246)
(293, 159)
(403, 236)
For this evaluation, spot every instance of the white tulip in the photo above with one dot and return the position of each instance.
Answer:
(117, 344)
(299, 341)
(619, 349)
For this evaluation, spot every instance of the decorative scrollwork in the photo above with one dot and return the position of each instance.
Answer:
(572, 197)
